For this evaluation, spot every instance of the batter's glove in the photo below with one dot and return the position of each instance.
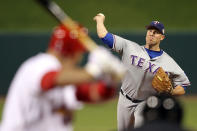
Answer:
(161, 82)
(101, 61)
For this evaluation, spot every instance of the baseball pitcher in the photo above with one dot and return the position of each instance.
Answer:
(147, 67)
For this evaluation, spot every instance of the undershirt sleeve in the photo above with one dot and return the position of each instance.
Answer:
(108, 40)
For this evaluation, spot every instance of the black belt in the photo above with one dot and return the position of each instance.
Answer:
(129, 98)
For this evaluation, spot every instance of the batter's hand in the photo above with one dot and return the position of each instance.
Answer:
(99, 18)
(101, 61)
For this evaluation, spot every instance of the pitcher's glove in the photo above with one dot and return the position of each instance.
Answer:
(161, 82)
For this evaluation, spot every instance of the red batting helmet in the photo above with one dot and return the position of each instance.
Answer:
(65, 41)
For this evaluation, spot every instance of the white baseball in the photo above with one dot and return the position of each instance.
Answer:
(101, 14)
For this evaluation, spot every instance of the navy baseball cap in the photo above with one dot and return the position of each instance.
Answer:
(157, 25)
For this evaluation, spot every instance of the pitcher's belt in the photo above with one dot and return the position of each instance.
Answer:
(129, 98)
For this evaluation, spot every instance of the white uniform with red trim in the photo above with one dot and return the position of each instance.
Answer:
(28, 108)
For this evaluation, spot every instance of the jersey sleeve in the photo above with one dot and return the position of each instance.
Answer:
(181, 79)
(178, 76)
(119, 43)
(48, 80)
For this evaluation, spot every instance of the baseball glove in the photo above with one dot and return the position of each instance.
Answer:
(161, 82)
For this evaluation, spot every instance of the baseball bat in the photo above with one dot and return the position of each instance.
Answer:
(55, 10)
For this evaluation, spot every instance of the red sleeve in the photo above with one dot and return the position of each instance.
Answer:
(83, 92)
(48, 80)
(105, 92)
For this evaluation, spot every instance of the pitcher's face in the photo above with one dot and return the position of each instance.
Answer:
(153, 37)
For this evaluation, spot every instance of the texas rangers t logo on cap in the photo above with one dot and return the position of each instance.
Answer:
(156, 22)
(158, 25)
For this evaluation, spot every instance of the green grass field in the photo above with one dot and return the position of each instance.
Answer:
(102, 117)
(190, 113)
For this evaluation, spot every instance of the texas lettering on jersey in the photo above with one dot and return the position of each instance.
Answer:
(144, 64)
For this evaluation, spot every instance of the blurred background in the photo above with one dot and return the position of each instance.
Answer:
(25, 29)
